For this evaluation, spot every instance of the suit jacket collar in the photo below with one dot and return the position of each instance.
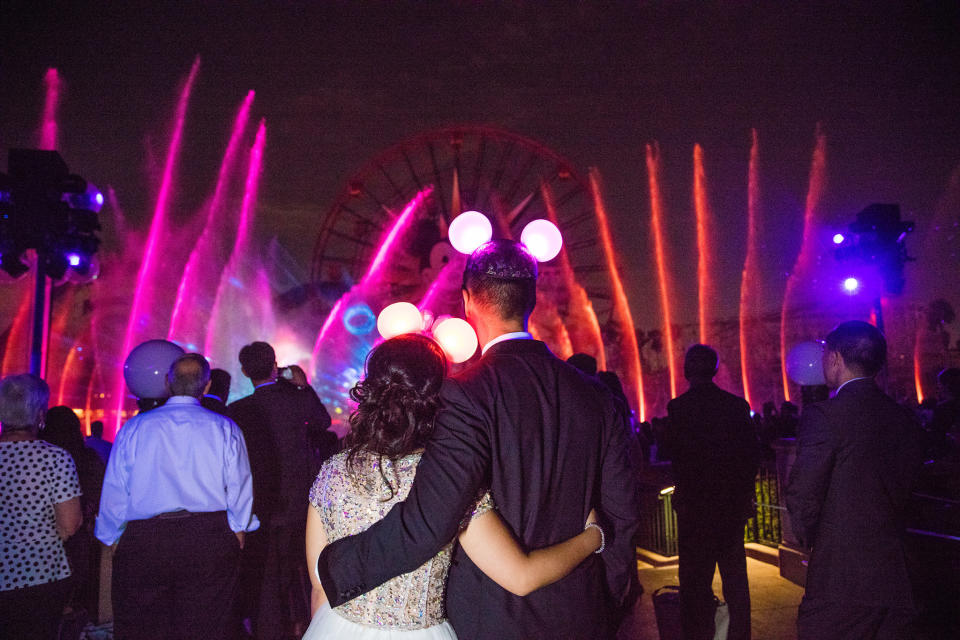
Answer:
(516, 347)
(861, 384)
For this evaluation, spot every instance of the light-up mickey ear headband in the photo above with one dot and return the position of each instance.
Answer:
(471, 229)
(455, 336)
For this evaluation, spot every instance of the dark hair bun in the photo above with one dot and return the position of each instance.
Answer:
(397, 401)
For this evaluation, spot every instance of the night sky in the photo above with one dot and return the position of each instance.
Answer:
(338, 82)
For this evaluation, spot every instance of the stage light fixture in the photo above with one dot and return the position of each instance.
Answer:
(838, 238)
(851, 285)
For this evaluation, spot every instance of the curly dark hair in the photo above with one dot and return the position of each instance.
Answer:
(398, 399)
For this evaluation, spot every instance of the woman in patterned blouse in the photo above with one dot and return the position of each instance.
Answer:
(396, 406)
(39, 509)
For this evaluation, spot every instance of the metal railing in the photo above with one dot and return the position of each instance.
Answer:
(764, 526)
(658, 528)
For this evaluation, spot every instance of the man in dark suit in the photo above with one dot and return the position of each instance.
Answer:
(715, 454)
(546, 440)
(215, 399)
(857, 456)
(285, 428)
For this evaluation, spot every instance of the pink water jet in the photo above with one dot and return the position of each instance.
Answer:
(221, 344)
(190, 317)
(387, 245)
(48, 128)
(138, 324)
(750, 276)
(805, 264)
(621, 306)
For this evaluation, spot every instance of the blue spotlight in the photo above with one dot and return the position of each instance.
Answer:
(73, 259)
(838, 238)
(851, 285)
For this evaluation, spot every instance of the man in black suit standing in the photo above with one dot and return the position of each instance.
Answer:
(857, 456)
(546, 440)
(286, 431)
(715, 454)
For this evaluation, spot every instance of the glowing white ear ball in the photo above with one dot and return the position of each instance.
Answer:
(397, 318)
(457, 338)
(805, 364)
(469, 230)
(542, 239)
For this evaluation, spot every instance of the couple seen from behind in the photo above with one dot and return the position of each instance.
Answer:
(497, 503)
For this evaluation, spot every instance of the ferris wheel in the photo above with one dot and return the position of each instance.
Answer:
(508, 177)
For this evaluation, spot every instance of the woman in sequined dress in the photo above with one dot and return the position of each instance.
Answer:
(397, 403)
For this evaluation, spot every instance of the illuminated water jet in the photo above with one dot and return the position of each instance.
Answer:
(656, 221)
(621, 306)
(241, 311)
(139, 322)
(750, 276)
(582, 326)
(196, 287)
(48, 129)
(706, 294)
(806, 259)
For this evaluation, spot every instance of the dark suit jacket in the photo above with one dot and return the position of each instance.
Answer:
(713, 446)
(549, 444)
(285, 429)
(857, 457)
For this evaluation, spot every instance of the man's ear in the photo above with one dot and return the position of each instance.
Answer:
(466, 298)
(206, 389)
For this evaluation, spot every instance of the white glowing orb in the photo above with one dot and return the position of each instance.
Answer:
(397, 318)
(542, 239)
(457, 338)
(469, 230)
(850, 285)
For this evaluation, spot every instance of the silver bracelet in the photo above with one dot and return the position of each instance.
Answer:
(603, 538)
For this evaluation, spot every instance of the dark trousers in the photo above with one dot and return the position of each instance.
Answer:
(274, 583)
(175, 578)
(707, 541)
(33, 613)
(830, 620)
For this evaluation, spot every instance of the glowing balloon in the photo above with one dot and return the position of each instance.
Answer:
(805, 364)
(457, 337)
(469, 230)
(397, 318)
(359, 319)
(542, 239)
(146, 367)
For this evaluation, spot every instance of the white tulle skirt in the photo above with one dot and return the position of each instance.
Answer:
(328, 624)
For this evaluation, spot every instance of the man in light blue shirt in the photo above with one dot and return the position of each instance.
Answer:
(178, 497)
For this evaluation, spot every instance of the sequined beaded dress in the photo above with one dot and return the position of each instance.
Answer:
(408, 607)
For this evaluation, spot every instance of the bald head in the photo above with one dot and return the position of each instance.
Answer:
(189, 375)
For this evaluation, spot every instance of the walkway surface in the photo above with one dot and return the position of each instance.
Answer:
(774, 602)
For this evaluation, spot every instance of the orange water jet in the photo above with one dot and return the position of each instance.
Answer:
(621, 306)
(656, 219)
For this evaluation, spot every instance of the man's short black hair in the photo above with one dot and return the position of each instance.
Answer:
(258, 360)
(861, 345)
(701, 361)
(502, 275)
(96, 428)
(219, 384)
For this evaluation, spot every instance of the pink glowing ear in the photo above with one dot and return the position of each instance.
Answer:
(542, 239)
(469, 230)
(457, 338)
(397, 318)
